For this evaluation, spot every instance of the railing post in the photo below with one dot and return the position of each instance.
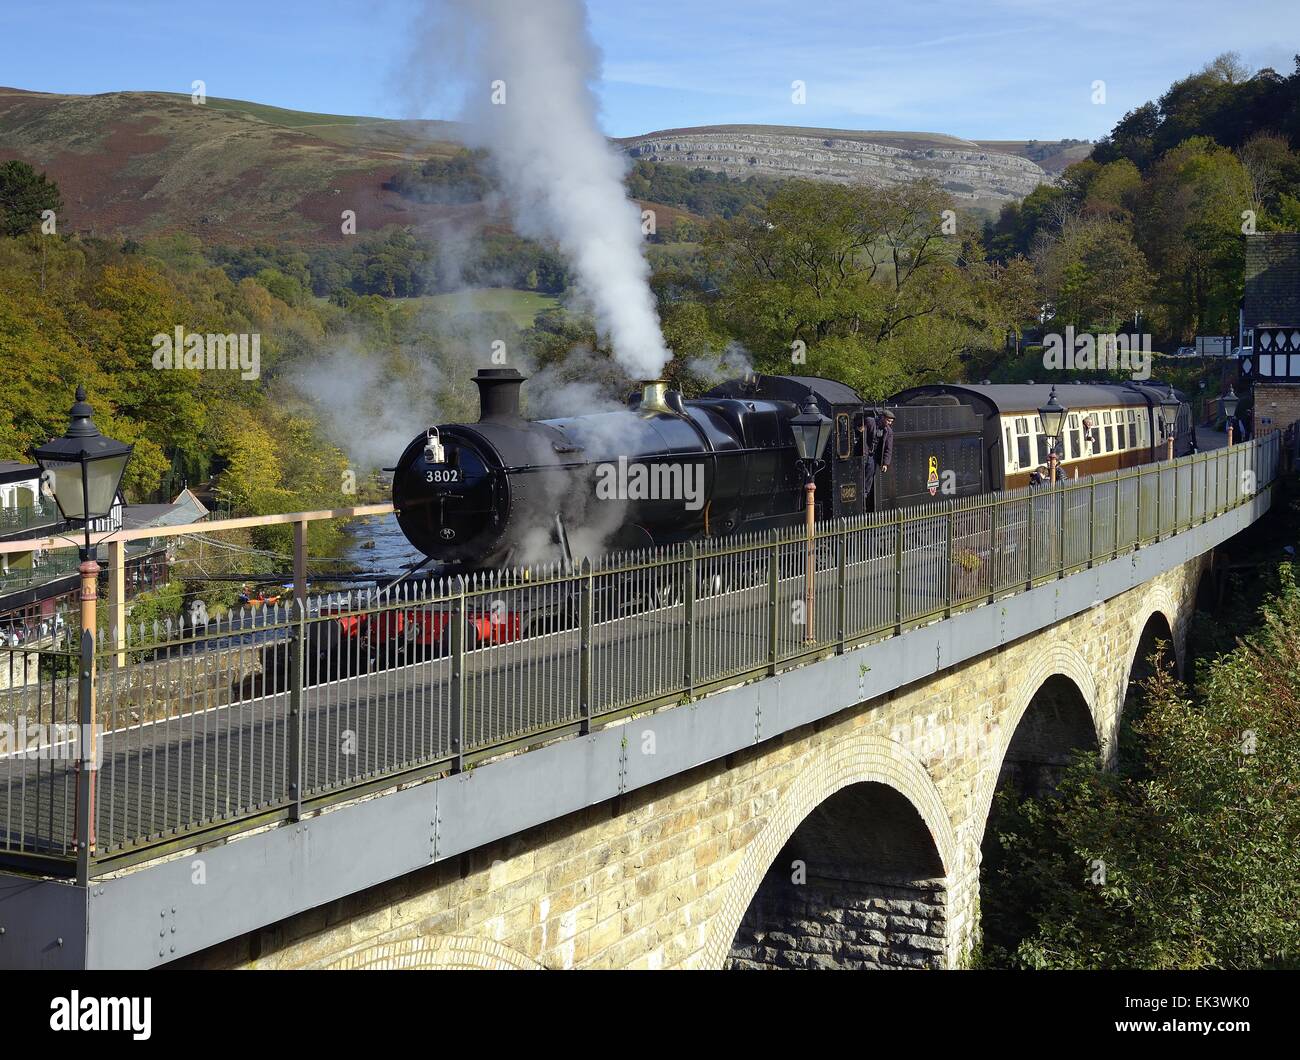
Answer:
(117, 601)
(457, 703)
(86, 752)
(1029, 550)
(1092, 520)
(898, 575)
(947, 603)
(773, 596)
(587, 605)
(688, 675)
(1205, 501)
(841, 589)
(995, 549)
(293, 740)
(1114, 552)
(1156, 521)
(1060, 531)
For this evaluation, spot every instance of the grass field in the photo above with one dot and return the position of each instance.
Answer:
(520, 306)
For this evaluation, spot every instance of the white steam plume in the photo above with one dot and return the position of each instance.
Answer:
(562, 178)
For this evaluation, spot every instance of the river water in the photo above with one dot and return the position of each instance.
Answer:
(377, 546)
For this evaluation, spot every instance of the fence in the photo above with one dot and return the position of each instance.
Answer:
(216, 727)
(29, 517)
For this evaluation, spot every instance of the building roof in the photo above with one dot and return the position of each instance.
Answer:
(17, 471)
(186, 508)
(1272, 293)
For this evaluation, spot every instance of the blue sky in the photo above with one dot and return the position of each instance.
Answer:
(983, 69)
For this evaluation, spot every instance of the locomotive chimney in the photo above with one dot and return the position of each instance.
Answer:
(654, 397)
(498, 393)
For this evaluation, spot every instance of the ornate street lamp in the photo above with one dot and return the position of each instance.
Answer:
(83, 470)
(1169, 416)
(1230, 402)
(811, 432)
(1052, 418)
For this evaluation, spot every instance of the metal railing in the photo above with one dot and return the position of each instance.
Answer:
(28, 517)
(262, 713)
(49, 567)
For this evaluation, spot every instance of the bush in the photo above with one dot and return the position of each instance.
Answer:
(1199, 836)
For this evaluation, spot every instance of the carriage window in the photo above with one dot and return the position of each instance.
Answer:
(843, 436)
(1022, 441)
(1042, 449)
(1011, 449)
(1132, 430)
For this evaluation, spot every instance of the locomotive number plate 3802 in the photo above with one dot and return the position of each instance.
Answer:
(442, 474)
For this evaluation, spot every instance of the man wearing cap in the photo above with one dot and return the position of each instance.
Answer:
(877, 444)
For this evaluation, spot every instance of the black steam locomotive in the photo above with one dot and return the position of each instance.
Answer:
(507, 490)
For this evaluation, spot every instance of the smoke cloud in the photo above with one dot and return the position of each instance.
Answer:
(528, 70)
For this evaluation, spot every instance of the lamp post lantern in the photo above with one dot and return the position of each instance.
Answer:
(1169, 405)
(811, 432)
(1052, 418)
(1230, 402)
(83, 471)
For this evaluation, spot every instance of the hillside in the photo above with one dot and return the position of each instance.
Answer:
(144, 162)
(229, 171)
(979, 175)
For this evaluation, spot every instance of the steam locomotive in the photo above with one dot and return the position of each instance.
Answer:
(507, 490)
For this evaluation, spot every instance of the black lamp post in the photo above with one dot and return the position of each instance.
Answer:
(811, 432)
(1230, 402)
(83, 470)
(1052, 418)
(1169, 415)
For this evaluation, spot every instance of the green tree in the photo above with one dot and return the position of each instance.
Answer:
(24, 196)
(1190, 226)
(1094, 275)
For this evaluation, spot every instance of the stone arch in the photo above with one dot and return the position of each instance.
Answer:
(432, 953)
(1056, 714)
(1057, 659)
(1159, 600)
(844, 762)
